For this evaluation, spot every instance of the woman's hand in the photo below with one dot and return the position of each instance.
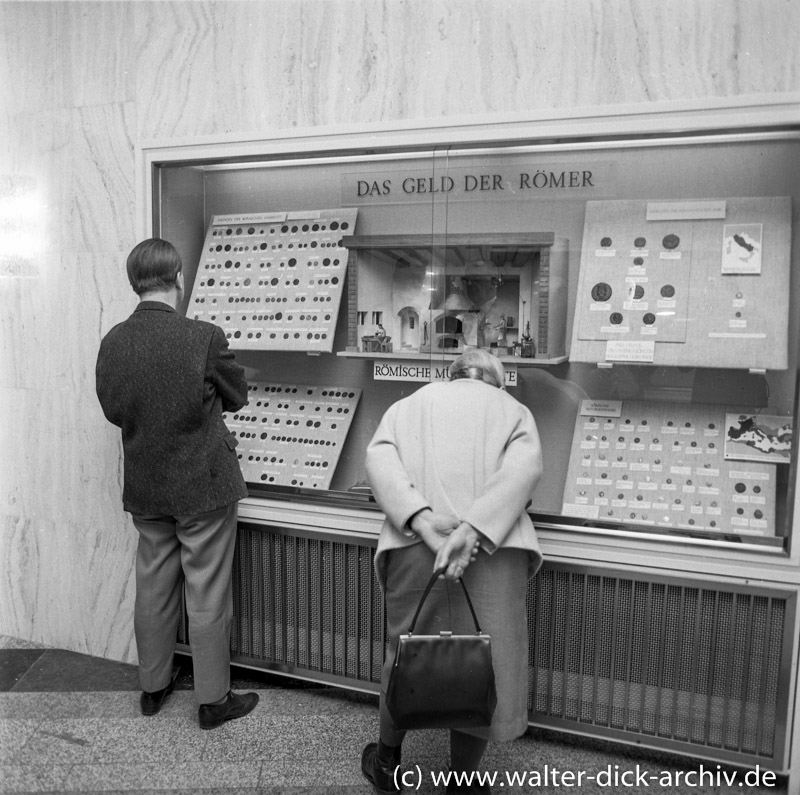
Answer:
(433, 528)
(458, 551)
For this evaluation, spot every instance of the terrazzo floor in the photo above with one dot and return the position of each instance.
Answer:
(71, 723)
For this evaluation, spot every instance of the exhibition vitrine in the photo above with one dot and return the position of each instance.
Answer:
(637, 287)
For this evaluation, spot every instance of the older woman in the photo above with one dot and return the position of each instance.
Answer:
(453, 467)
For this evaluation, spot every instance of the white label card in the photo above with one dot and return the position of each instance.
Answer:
(601, 408)
(250, 218)
(685, 210)
(383, 370)
(630, 350)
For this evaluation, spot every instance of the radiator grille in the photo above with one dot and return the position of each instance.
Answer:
(307, 603)
(656, 660)
(663, 659)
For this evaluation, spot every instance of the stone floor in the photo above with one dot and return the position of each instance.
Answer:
(71, 723)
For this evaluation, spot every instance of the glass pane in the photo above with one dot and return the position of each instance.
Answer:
(669, 276)
(637, 293)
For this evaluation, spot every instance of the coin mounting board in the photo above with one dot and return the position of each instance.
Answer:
(274, 281)
(292, 434)
(662, 286)
(663, 464)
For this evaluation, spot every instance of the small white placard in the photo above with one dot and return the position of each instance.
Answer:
(601, 408)
(736, 335)
(630, 350)
(685, 210)
(748, 475)
(250, 218)
(423, 372)
(614, 329)
(582, 511)
(391, 370)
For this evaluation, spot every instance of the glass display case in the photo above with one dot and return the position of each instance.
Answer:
(634, 278)
(638, 293)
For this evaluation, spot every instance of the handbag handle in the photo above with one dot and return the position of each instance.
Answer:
(434, 577)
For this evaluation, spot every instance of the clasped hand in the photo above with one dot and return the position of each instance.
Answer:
(455, 543)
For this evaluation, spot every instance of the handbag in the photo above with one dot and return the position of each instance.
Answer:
(442, 681)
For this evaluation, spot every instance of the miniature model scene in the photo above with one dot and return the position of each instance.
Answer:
(417, 296)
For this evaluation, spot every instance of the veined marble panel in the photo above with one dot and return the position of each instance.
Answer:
(56, 316)
(65, 54)
(101, 216)
(98, 52)
(175, 68)
(62, 461)
(69, 585)
(239, 66)
(78, 173)
(30, 78)
(34, 184)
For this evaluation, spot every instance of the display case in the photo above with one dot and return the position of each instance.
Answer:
(639, 297)
(638, 290)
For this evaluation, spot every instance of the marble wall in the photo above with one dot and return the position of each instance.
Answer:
(81, 83)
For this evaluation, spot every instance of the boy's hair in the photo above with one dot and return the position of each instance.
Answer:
(153, 264)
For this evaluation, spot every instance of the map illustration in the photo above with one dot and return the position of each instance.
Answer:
(751, 437)
(741, 248)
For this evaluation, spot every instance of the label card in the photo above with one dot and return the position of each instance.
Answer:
(685, 210)
(630, 350)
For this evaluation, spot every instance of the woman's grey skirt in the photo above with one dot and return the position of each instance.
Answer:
(497, 585)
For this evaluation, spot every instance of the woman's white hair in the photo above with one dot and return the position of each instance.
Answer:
(481, 365)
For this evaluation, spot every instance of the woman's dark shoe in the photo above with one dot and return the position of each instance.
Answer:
(152, 702)
(234, 706)
(378, 763)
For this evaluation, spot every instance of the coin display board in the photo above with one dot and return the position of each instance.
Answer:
(685, 283)
(274, 281)
(292, 434)
(664, 464)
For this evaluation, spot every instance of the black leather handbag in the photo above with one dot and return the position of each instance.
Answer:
(442, 681)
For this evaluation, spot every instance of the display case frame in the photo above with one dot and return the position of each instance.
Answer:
(615, 552)
(675, 125)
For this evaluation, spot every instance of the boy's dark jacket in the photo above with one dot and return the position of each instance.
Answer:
(165, 381)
